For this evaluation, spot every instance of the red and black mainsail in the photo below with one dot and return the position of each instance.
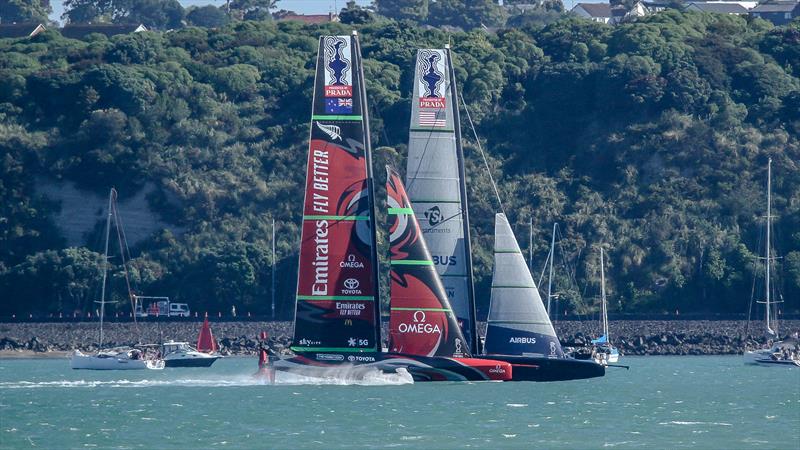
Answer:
(337, 310)
(421, 321)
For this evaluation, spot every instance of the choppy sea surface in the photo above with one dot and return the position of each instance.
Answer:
(703, 402)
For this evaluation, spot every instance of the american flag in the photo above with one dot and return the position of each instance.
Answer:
(432, 118)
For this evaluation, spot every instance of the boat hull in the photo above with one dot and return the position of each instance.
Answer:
(191, 362)
(764, 358)
(421, 368)
(82, 361)
(531, 368)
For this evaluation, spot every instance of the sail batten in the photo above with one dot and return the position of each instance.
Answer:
(518, 323)
(434, 179)
(337, 303)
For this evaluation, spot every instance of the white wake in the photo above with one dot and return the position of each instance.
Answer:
(339, 378)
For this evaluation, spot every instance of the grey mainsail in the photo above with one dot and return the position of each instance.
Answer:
(434, 181)
(518, 322)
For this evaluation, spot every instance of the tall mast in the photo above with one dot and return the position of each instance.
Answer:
(105, 267)
(552, 257)
(273, 269)
(473, 332)
(530, 245)
(370, 188)
(769, 225)
(603, 295)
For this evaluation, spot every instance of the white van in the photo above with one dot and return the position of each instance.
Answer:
(179, 310)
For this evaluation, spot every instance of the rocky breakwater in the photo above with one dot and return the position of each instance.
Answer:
(632, 337)
(673, 337)
(234, 338)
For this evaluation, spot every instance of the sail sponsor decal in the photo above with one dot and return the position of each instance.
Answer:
(338, 66)
(336, 289)
(421, 320)
(431, 78)
(432, 89)
(503, 339)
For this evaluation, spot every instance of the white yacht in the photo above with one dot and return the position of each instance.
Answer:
(780, 353)
(121, 358)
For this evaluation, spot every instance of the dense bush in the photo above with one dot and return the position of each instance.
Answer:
(650, 138)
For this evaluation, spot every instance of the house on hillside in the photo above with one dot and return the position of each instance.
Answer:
(778, 12)
(20, 30)
(597, 12)
(612, 15)
(310, 19)
(717, 7)
(81, 30)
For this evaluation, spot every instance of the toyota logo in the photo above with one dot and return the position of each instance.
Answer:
(351, 283)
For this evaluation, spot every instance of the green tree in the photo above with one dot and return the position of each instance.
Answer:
(467, 14)
(208, 16)
(354, 14)
(416, 10)
(21, 11)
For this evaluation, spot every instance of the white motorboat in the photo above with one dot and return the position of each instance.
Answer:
(181, 354)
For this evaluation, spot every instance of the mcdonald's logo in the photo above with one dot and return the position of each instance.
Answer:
(348, 322)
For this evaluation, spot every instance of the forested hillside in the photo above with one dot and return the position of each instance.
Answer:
(650, 138)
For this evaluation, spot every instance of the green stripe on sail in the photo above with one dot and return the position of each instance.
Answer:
(324, 117)
(397, 211)
(423, 309)
(332, 349)
(411, 262)
(451, 275)
(335, 297)
(321, 217)
(508, 251)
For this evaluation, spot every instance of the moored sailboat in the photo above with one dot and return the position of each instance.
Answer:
(604, 351)
(118, 358)
(780, 353)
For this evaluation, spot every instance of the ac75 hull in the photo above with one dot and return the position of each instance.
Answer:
(421, 368)
(531, 368)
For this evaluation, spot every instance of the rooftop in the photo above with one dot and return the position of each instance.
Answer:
(596, 9)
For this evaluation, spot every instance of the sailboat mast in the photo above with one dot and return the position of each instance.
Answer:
(370, 187)
(552, 257)
(273, 269)
(769, 225)
(603, 294)
(473, 331)
(105, 267)
(530, 245)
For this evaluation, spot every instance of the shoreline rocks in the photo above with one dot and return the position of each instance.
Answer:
(632, 337)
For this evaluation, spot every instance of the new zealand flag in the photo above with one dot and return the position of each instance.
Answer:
(339, 105)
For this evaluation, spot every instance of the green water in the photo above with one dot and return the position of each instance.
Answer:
(662, 402)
